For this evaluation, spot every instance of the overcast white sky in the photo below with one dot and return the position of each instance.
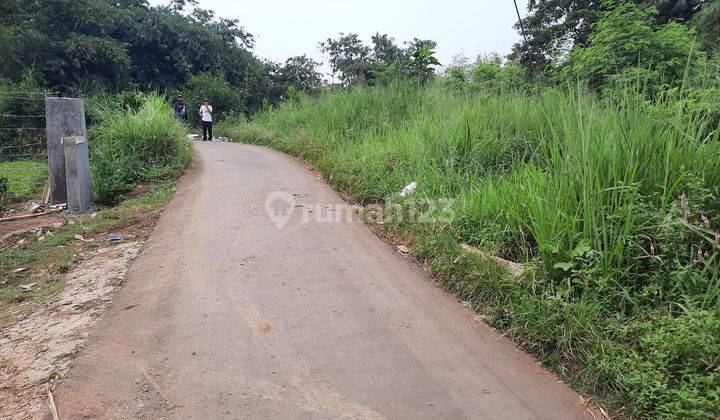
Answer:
(286, 28)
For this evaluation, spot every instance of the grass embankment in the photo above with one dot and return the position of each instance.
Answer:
(127, 148)
(25, 180)
(612, 204)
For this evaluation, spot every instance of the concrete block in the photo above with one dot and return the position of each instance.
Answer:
(77, 174)
(65, 117)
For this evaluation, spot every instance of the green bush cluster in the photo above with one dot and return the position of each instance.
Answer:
(130, 146)
(487, 73)
(612, 204)
(225, 99)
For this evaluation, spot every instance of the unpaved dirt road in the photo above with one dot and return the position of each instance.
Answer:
(225, 315)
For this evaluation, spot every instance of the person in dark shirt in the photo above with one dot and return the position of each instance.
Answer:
(179, 107)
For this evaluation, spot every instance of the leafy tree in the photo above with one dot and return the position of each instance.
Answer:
(356, 63)
(300, 72)
(628, 42)
(86, 47)
(678, 10)
(225, 98)
(422, 59)
(390, 61)
(385, 50)
(553, 28)
(349, 58)
(707, 22)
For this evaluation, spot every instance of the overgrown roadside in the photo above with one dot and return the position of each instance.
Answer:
(609, 203)
(58, 272)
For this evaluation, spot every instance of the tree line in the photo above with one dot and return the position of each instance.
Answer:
(95, 47)
(603, 41)
(89, 47)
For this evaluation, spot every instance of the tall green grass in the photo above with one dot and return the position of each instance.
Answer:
(612, 204)
(23, 180)
(136, 146)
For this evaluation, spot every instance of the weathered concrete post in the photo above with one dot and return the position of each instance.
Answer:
(65, 117)
(77, 174)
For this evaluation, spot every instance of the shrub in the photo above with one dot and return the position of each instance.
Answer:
(225, 98)
(132, 146)
(627, 43)
(489, 73)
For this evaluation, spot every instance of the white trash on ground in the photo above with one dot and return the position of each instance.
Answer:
(408, 189)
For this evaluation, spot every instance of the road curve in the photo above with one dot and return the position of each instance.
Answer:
(225, 315)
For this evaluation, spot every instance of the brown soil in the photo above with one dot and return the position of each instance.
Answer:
(24, 225)
(137, 192)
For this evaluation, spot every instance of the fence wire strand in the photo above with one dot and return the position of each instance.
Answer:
(30, 92)
(26, 98)
(6, 158)
(22, 145)
(35, 150)
(22, 116)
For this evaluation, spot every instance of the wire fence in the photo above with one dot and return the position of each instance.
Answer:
(23, 134)
(23, 97)
(22, 116)
(23, 143)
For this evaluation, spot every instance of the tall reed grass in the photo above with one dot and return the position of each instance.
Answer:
(612, 204)
(136, 146)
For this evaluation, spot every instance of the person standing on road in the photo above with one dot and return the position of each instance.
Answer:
(179, 107)
(206, 111)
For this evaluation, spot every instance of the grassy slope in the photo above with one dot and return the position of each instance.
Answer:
(24, 177)
(614, 209)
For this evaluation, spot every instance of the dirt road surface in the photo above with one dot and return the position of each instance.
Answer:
(225, 315)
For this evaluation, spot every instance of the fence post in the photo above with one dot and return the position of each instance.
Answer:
(65, 117)
(77, 173)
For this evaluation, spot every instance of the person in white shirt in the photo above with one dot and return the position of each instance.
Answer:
(206, 111)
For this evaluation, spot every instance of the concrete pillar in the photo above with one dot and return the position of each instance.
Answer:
(77, 174)
(65, 117)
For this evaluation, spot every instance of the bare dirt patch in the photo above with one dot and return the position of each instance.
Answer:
(139, 191)
(40, 348)
(18, 227)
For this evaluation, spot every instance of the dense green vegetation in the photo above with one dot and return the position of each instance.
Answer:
(612, 203)
(131, 146)
(91, 48)
(85, 47)
(555, 27)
